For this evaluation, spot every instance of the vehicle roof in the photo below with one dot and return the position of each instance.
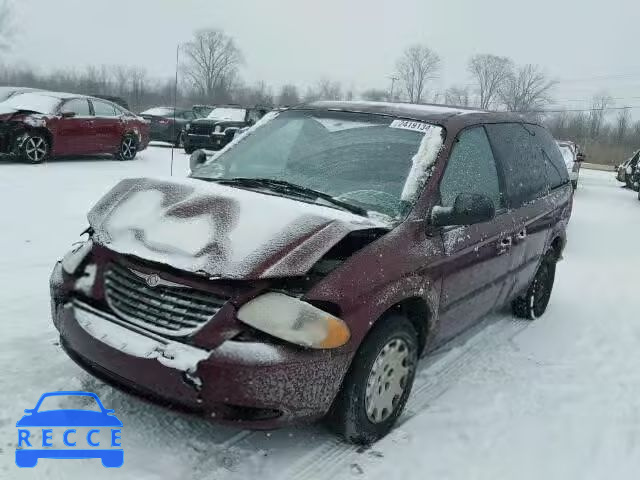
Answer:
(18, 89)
(434, 113)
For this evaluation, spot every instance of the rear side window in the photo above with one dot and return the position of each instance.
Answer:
(103, 109)
(522, 159)
(555, 164)
(79, 106)
(471, 169)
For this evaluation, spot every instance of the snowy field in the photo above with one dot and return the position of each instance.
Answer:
(555, 399)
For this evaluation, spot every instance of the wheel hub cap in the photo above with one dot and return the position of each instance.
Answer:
(388, 380)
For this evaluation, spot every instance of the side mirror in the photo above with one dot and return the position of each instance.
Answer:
(28, 410)
(197, 158)
(581, 157)
(468, 209)
(68, 114)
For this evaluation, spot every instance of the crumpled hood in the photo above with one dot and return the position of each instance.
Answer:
(219, 231)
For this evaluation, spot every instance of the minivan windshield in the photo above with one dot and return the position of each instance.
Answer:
(364, 160)
(32, 102)
(229, 114)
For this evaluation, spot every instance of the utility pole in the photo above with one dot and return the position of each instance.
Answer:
(393, 79)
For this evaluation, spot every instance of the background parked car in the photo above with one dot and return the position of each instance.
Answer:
(38, 125)
(220, 126)
(572, 157)
(8, 92)
(167, 123)
(627, 169)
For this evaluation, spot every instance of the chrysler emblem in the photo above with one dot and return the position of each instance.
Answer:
(153, 280)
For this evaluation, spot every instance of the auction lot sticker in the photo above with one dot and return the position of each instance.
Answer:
(411, 125)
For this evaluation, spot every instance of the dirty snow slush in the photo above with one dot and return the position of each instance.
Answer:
(510, 399)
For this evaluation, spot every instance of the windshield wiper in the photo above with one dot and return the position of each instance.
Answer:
(282, 186)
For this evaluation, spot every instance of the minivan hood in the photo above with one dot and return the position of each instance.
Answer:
(218, 231)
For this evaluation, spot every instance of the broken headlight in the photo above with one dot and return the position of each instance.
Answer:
(72, 260)
(294, 321)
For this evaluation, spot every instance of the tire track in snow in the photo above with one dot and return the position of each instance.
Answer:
(437, 375)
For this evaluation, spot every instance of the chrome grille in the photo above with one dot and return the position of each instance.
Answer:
(174, 311)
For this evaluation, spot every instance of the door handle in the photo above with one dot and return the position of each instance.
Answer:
(522, 234)
(504, 245)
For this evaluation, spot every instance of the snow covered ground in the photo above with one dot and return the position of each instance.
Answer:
(555, 399)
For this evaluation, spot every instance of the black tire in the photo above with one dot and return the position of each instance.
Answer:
(179, 143)
(348, 416)
(35, 148)
(534, 302)
(628, 182)
(575, 184)
(189, 150)
(128, 148)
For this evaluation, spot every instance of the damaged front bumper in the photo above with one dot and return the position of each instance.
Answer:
(257, 385)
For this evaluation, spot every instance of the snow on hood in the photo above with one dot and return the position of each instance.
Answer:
(219, 231)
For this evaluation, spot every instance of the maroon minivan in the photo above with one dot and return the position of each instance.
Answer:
(301, 272)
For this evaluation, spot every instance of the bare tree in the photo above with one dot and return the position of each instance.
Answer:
(457, 96)
(490, 73)
(329, 90)
(599, 106)
(623, 120)
(417, 65)
(138, 77)
(375, 95)
(6, 23)
(212, 62)
(526, 89)
(288, 96)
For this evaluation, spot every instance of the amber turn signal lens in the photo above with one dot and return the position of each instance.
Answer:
(337, 333)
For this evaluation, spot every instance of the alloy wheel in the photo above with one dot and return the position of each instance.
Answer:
(388, 380)
(35, 149)
(129, 148)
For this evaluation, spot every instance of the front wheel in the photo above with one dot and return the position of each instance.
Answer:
(535, 301)
(128, 148)
(35, 148)
(377, 386)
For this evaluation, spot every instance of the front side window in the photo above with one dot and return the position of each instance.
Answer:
(79, 106)
(361, 159)
(471, 169)
(103, 109)
(523, 161)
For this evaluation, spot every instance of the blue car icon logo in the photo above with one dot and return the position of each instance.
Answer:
(36, 433)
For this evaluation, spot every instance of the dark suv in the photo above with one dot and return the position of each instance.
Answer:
(303, 271)
(220, 126)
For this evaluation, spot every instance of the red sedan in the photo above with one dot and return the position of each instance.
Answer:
(36, 126)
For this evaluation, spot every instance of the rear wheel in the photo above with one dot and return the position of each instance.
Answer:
(535, 301)
(35, 148)
(575, 184)
(179, 143)
(377, 386)
(128, 148)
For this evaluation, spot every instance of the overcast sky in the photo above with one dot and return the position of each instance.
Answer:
(587, 45)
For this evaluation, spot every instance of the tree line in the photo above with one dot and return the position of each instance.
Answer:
(209, 73)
